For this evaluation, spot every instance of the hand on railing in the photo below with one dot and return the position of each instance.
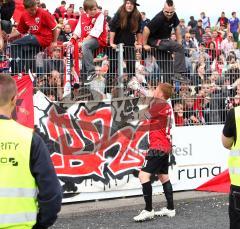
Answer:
(114, 46)
(147, 47)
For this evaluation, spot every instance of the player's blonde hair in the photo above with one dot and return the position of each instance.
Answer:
(166, 89)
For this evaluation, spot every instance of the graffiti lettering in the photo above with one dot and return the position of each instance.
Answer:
(94, 140)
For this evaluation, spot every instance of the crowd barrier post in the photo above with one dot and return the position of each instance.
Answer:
(120, 51)
(67, 83)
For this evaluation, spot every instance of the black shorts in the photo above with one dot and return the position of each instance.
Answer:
(156, 162)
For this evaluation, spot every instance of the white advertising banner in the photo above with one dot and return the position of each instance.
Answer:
(199, 155)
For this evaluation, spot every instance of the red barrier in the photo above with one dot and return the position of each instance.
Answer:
(220, 183)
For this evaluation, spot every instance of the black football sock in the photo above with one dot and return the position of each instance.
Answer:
(147, 194)
(168, 191)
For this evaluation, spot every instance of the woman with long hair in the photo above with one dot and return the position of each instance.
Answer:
(125, 27)
(212, 51)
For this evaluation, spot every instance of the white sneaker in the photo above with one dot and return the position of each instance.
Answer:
(144, 215)
(166, 212)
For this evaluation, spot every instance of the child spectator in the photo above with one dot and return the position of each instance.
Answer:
(92, 32)
(178, 114)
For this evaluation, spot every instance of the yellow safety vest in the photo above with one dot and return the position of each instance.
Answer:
(234, 157)
(18, 190)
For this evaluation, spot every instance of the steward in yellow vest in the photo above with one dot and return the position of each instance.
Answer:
(231, 141)
(30, 193)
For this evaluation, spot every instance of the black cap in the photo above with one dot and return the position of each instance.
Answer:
(134, 2)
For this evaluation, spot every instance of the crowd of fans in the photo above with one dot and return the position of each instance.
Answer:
(211, 54)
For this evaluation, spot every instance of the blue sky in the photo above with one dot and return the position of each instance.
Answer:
(184, 8)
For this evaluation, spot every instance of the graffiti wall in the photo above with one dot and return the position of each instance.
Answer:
(97, 148)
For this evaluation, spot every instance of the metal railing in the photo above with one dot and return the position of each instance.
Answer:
(213, 77)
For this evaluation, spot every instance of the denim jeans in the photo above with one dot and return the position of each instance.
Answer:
(87, 48)
(174, 47)
(23, 52)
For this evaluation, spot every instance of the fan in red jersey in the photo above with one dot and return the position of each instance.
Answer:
(92, 32)
(42, 31)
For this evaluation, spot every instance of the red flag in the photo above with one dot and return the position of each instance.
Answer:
(23, 112)
(19, 8)
(220, 183)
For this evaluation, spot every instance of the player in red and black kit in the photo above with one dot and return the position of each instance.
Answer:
(156, 161)
(91, 31)
(42, 31)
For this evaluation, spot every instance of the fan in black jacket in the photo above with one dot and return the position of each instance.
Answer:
(7, 8)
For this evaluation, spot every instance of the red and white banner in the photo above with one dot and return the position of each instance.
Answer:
(23, 112)
(99, 147)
